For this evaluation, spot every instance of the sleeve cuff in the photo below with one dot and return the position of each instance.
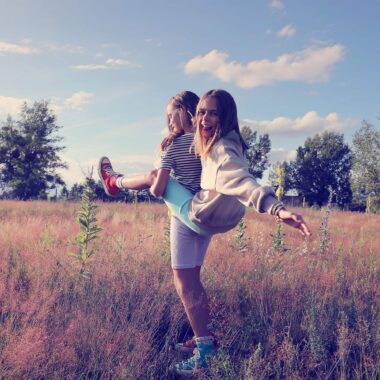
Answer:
(276, 208)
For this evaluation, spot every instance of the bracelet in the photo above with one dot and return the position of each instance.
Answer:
(278, 209)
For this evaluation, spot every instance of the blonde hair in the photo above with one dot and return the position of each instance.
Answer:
(187, 101)
(228, 121)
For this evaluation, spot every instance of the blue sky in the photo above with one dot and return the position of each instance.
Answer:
(108, 68)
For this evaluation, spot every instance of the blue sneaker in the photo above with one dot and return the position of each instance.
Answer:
(199, 361)
(190, 345)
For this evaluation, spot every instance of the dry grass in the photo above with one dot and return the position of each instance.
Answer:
(298, 314)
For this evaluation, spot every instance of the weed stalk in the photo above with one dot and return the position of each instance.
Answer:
(88, 231)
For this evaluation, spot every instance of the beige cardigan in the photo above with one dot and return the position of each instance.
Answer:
(227, 188)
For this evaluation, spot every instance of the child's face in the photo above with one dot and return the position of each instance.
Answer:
(208, 117)
(175, 117)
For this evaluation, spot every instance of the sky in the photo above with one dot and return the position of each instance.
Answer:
(108, 69)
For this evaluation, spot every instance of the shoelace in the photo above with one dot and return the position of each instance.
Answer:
(109, 171)
(189, 363)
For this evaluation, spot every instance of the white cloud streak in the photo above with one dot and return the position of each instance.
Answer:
(281, 154)
(311, 65)
(306, 125)
(90, 66)
(287, 31)
(66, 48)
(9, 48)
(109, 64)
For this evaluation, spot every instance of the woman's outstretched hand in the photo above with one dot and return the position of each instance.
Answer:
(293, 220)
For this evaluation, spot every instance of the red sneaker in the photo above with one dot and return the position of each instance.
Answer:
(108, 177)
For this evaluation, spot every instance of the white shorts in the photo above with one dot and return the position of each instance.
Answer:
(188, 249)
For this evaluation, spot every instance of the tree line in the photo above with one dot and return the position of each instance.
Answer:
(30, 147)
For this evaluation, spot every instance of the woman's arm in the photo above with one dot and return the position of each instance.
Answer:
(159, 184)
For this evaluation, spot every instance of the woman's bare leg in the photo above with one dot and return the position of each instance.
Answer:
(194, 298)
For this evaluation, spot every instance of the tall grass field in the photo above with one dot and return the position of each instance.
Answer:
(302, 309)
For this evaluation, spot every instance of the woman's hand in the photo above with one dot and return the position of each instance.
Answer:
(293, 220)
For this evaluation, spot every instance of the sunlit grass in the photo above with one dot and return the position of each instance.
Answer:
(293, 314)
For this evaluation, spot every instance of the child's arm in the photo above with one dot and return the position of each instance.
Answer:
(160, 182)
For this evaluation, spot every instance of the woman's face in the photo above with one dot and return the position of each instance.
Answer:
(176, 118)
(208, 117)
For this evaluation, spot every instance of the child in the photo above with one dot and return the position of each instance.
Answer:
(175, 158)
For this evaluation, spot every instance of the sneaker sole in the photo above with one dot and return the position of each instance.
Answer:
(100, 176)
(188, 373)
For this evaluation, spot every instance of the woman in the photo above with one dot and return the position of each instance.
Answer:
(227, 189)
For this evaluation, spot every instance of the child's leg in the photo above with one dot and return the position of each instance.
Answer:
(177, 198)
(113, 181)
(137, 182)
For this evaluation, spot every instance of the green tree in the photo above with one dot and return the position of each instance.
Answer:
(324, 161)
(365, 175)
(257, 153)
(29, 150)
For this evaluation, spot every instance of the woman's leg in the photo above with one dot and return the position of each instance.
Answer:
(194, 298)
(187, 254)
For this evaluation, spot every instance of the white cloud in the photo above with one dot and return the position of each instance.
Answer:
(118, 62)
(276, 4)
(9, 48)
(10, 106)
(109, 64)
(77, 100)
(308, 124)
(281, 154)
(66, 48)
(311, 65)
(91, 66)
(287, 31)
(76, 171)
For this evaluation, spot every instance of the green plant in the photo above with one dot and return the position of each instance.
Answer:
(278, 239)
(324, 236)
(240, 239)
(164, 247)
(88, 230)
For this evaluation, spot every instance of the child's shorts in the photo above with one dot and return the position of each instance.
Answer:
(188, 248)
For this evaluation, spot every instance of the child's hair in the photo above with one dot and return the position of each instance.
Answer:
(188, 101)
(228, 121)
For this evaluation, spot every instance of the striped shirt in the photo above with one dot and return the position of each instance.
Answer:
(184, 165)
